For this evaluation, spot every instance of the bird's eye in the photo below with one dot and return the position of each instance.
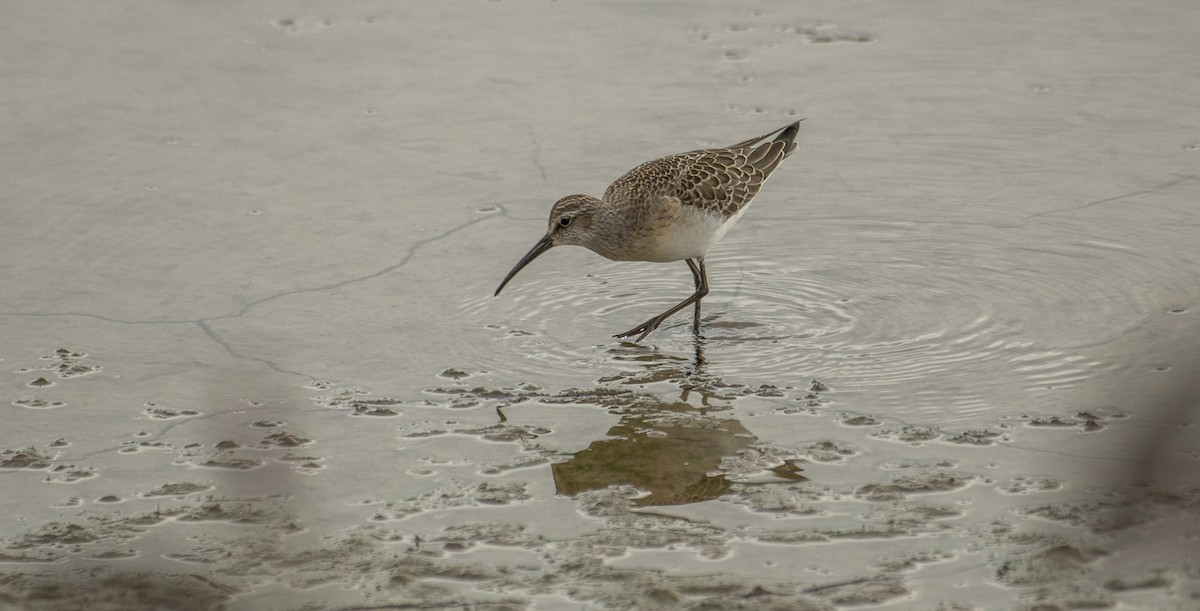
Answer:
(564, 221)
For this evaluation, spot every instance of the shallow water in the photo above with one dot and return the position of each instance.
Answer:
(251, 357)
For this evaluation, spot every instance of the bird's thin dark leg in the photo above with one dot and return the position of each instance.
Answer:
(701, 278)
(644, 329)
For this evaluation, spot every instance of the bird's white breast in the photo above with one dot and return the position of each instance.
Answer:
(691, 235)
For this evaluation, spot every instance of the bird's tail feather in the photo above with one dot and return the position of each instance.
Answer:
(786, 134)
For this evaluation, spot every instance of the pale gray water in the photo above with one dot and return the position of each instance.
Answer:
(249, 251)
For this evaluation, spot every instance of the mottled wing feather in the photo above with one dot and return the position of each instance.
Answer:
(725, 180)
(786, 134)
(722, 180)
(751, 142)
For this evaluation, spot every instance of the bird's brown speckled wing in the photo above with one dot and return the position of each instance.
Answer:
(788, 133)
(727, 179)
(722, 180)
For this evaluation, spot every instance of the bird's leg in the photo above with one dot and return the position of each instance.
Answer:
(701, 278)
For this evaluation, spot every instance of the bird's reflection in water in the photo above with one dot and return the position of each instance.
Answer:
(673, 450)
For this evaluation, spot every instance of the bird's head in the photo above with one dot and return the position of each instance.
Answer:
(572, 220)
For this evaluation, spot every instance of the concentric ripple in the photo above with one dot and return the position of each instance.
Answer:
(917, 317)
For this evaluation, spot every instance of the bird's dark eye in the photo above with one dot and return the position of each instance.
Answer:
(564, 221)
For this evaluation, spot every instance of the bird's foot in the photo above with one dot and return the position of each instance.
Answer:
(643, 329)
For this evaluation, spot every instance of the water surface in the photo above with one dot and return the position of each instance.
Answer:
(251, 358)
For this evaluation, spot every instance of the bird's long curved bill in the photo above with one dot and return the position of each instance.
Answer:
(542, 246)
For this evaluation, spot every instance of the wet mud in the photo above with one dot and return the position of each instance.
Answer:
(250, 356)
